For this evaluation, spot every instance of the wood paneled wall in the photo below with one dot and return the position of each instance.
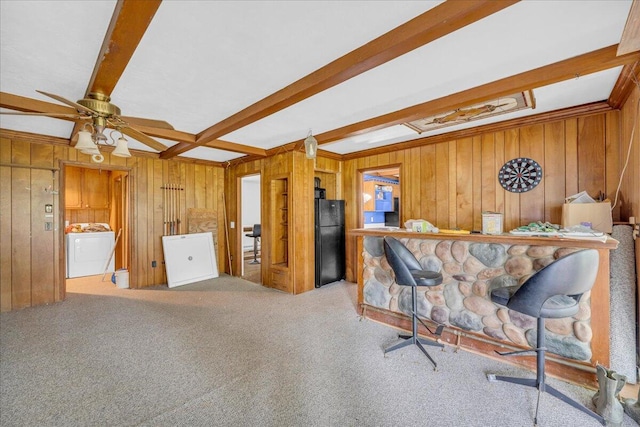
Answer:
(451, 183)
(330, 173)
(630, 148)
(32, 259)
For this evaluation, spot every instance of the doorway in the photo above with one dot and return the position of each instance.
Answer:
(250, 227)
(95, 200)
(381, 198)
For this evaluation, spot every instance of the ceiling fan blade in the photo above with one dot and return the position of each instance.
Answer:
(24, 113)
(145, 139)
(66, 101)
(161, 124)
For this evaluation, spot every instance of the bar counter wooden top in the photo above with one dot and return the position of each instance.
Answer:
(370, 268)
(542, 240)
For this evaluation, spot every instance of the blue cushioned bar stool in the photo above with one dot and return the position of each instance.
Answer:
(409, 272)
(553, 292)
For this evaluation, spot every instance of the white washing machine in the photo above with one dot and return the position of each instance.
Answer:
(88, 252)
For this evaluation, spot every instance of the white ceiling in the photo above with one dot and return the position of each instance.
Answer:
(200, 62)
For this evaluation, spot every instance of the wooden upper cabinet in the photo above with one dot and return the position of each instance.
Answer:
(73, 188)
(95, 191)
(87, 188)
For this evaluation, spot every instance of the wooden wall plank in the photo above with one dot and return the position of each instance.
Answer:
(553, 171)
(511, 200)
(500, 159)
(42, 243)
(200, 186)
(591, 154)
(142, 219)
(571, 156)
(414, 208)
(464, 184)
(427, 189)
(21, 226)
(441, 182)
(476, 185)
(488, 175)
(532, 146)
(6, 237)
(629, 197)
(612, 156)
(453, 184)
(157, 273)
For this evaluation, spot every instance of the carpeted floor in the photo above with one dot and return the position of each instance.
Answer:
(228, 352)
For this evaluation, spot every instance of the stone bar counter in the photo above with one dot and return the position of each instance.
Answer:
(472, 265)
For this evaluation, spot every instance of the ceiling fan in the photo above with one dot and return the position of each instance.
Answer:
(98, 113)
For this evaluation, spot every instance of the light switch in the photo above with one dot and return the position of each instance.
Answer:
(232, 224)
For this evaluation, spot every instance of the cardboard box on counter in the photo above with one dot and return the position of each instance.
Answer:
(598, 214)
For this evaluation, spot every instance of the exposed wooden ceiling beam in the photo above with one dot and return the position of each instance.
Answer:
(571, 68)
(236, 148)
(190, 138)
(627, 80)
(630, 40)
(129, 22)
(431, 25)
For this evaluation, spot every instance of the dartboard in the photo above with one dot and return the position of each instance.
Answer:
(520, 175)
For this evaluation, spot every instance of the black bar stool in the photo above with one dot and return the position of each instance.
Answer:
(409, 272)
(256, 238)
(553, 292)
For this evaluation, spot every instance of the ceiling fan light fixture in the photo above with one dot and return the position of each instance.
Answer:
(85, 141)
(91, 151)
(99, 136)
(310, 146)
(121, 149)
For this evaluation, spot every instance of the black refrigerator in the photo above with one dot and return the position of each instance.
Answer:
(329, 241)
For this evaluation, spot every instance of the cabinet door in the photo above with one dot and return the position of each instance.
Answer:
(73, 187)
(96, 192)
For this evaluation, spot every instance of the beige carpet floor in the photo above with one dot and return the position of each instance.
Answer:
(228, 352)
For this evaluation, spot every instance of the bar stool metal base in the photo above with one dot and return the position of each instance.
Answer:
(255, 251)
(539, 381)
(414, 338)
